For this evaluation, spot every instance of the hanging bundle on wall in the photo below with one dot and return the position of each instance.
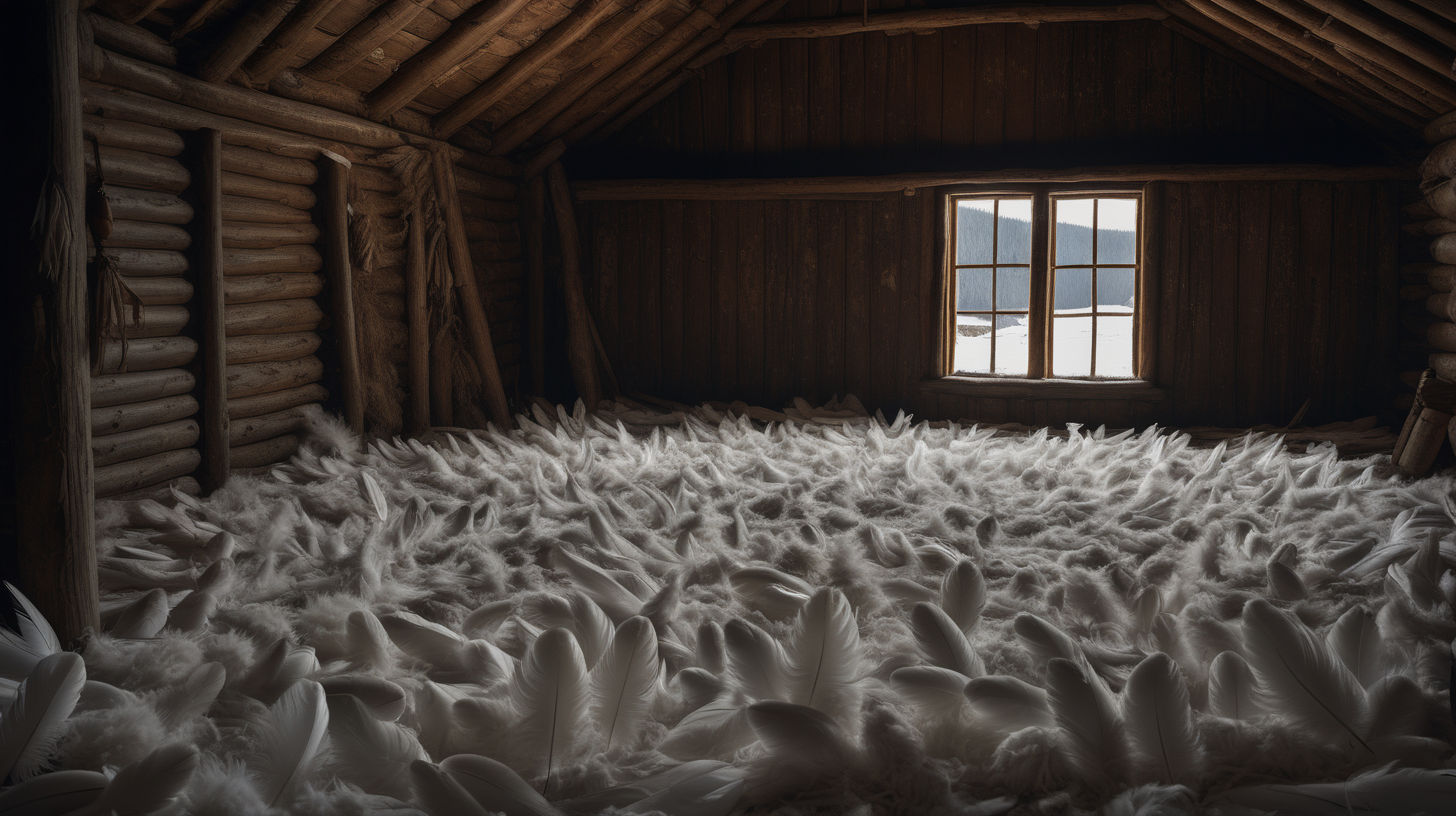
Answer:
(108, 311)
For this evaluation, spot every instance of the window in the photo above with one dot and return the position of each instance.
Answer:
(1044, 283)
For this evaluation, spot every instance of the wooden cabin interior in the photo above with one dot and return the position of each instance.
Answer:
(433, 216)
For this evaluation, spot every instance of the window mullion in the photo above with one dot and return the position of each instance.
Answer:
(1038, 319)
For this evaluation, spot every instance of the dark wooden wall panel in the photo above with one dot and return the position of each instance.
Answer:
(1268, 290)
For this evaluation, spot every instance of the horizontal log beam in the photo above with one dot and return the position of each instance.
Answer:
(132, 136)
(931, 19)
(758, 189)
(138, 473)
(157, 321)
(267, 236)
(248, 379)
(271, 348)
(147, 235)
(262, 454)
(265, 165)
(268, 403)
(133, 41)
(278, 260)
(147, 205)
(128, 445)
(263, 288)
(273, 317)
(118, 418)
(292, 195)
(147, 262)
(144, 171)
(261, 211)
(148, 354)
(172, 290)
(269, 426)
(144, 386)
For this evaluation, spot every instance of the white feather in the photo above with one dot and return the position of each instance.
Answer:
(756, 662)
(553, 694)
(496, 787)
(1385, 792)
(937, 692)
(53, 794)
(1089, 718)
(1009, 704)
(179, 704)
(440, 794)
(148, 784)
(1231, 691)
(424, 640)
(1355, 638)
(1165, 742)
(624, 681)
(367, 640)
(31, 639)
(824, 655)
(963, 594)
(144, 617)
(1300, 677)
(717, 729)
(611, 596)
(374, 494)
(1397, 708)
(35, 719)
(373, 754)
(943, 642)
(289, 737)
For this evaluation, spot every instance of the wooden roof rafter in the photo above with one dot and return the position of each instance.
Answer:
(896, 22)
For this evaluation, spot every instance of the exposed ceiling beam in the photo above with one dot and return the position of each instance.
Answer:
(1444, 8)
(524, 65)
(356, 44)
(197, 18)
(930, 19)
(1344, 36)
(243, 38)
(287, 40)
(600, 95)
(1435, 29)
(584, 68)
(1435, 58)
(469, 32)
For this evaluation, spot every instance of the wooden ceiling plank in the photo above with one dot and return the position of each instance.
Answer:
(287, 40)
(362, 39)
(469, 32)
(686, 64)
(599, 96)
(523, 65)
(1388, 86)
(1434, 29)
(930, 19)
(1444, 8)
(1314, 74)
(1436, 59)
(1339, 33)
(197, 18)
(243, 38)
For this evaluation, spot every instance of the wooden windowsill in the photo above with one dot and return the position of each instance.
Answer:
(1020, 388)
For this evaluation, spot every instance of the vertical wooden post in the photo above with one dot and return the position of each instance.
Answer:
(578, 337)
(55, 518)
(207, 233)
(476, 325)
(418, 310)
(1039, 321)
(339, 274)
(1150, 263)
(533, 224)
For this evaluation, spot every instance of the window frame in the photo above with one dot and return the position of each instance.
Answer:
(1036, 383)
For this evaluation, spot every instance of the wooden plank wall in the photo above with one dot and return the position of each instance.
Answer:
(1268, 289)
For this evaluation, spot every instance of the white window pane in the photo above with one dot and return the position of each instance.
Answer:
(1116, 231)
(975, 220)
(1012, 345)
(1013, 240)
(1074, 231)
(1073, 291)
(1114, 346)
(1013, 288)
(1116, 289)
(974, 292)
(973, 344)
(1071, 346)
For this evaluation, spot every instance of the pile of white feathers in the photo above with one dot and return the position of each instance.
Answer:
(597, 613)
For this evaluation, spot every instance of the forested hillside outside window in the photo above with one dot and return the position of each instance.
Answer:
(1044, 284)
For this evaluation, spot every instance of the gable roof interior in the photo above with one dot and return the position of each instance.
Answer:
(505, 77)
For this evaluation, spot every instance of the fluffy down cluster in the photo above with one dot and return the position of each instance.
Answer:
(593, 613)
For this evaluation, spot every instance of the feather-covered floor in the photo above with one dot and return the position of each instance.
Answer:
(713, 617)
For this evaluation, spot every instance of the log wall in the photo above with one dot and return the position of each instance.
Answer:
(279, 336)
(1271, 293)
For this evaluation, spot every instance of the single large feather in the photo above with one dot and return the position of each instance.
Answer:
(289, 737)
(963, 594)
(496, 787)
(717, 729)
(440, 794)
(1300, 677)
(148, 784)
(1043, 640)
(1397, 708)
(613, 598)
(35, 719)
(624, 681)
(938, 692)
(193, 696)
(1355, 638)
(824, 655)
(53, 794)
(424, 640)
(372, 491)
(144, 617)
(1393, 792)
(367, 640)
(1088, 715)
(1231, 688)
(29, 639)
(553, 693)
(943, 641)
(756, 661)
(1166, 744)
(373, 754)
(1007, 703)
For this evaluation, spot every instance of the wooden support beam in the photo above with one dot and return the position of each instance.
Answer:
(533, 232)
(346, 52)
(417, 307)
(1443, 8)
(578, 339)
(210, 285)
(131, 40)
(243, 38)
(544, 158)
(54, 524)
(740, 189)
(1435, 58)
(194, 20)
(477, 327)
(931, 19)
(580, 117)
(467, 33)
(523, 66)
(1437, 83)
(338, 272)
(586, 72)
(287, 40)
(1435, 29)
